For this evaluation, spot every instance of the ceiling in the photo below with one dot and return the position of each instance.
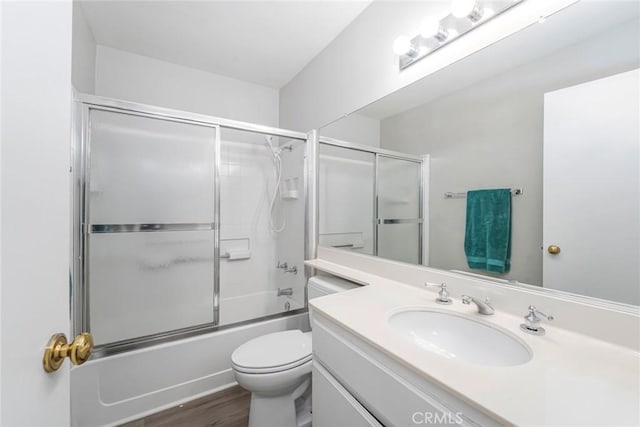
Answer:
(263, 42)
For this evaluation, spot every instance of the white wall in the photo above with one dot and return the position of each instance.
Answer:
(290, 243)
(83, 57)
(35, 134)
(137, 78)
(490, 135)
(359, 67)
(355, 128)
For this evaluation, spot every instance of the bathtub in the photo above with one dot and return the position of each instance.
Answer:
(258, 304)
(121, 388)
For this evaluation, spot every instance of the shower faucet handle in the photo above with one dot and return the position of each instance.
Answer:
(293, 270)
(283, 266)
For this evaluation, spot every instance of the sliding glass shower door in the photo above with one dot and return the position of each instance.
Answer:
(370, 201)
(399, 209)
(346, 199)
(149, 223)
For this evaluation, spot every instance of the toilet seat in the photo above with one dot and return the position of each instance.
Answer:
(276, 352)
(271, 370)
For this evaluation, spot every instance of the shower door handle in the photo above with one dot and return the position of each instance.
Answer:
(57, 349)
(400, 221)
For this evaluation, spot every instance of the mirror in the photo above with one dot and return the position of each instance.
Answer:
(551, 110)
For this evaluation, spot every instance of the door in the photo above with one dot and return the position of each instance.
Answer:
(35, 195)
(399, 209)
(346, 199)
(592, 188)
(149, 237)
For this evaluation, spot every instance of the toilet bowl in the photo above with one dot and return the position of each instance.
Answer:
(276, 369)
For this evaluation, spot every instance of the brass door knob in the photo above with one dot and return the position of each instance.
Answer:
(57, 349)
(553, 249)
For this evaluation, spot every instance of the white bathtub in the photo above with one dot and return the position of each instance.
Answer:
(127, 386)
(259, 304)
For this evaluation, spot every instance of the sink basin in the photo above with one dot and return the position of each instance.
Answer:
(459, 338)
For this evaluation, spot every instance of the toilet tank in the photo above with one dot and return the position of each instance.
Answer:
(319, 286)
(325, 285)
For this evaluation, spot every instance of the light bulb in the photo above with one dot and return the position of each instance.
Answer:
(462, 8)
(452, 33)
(402, 45)
(429, 27)
(487, 13)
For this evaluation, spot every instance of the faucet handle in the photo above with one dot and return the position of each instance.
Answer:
(532, 320)
(283, 266)
(534, 312)
(443, 295)
(293, 270)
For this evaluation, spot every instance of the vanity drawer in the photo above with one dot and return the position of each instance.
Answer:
(334, 406)
(393, 394)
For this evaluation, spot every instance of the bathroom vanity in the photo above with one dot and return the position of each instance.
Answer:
(377, 363)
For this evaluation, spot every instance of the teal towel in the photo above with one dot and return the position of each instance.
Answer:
(487, 240)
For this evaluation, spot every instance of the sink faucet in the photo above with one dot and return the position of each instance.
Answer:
(531, 321)
(484, 307)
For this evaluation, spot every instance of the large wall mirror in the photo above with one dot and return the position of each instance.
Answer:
(552, 111)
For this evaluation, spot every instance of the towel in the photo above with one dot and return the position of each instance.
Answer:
(487, 240)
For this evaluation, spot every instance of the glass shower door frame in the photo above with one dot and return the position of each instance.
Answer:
(390, 221)
(82, 315)
(80, 152)
(380, 152)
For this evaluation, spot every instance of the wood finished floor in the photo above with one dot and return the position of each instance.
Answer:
(227, 408)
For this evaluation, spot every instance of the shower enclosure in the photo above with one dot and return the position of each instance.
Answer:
(180, 223)
(371, 200)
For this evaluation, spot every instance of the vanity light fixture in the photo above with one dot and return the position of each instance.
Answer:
(488, 12)
(435, 33)
(430, 27)
(463, 8)
(402, 46)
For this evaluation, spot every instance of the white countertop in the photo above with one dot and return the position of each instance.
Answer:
(572, 379)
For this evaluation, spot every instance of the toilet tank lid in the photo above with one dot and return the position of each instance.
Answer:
(330, 284)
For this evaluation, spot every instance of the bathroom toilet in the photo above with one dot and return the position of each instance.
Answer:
(276, 368)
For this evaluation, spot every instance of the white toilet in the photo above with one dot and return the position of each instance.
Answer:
(276, 368)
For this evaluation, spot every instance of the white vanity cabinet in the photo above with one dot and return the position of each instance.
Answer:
(356, 384)
(334, 406)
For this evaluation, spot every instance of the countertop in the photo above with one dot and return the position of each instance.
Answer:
(572, 379)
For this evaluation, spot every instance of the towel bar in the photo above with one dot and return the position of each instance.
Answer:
(450, 195)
